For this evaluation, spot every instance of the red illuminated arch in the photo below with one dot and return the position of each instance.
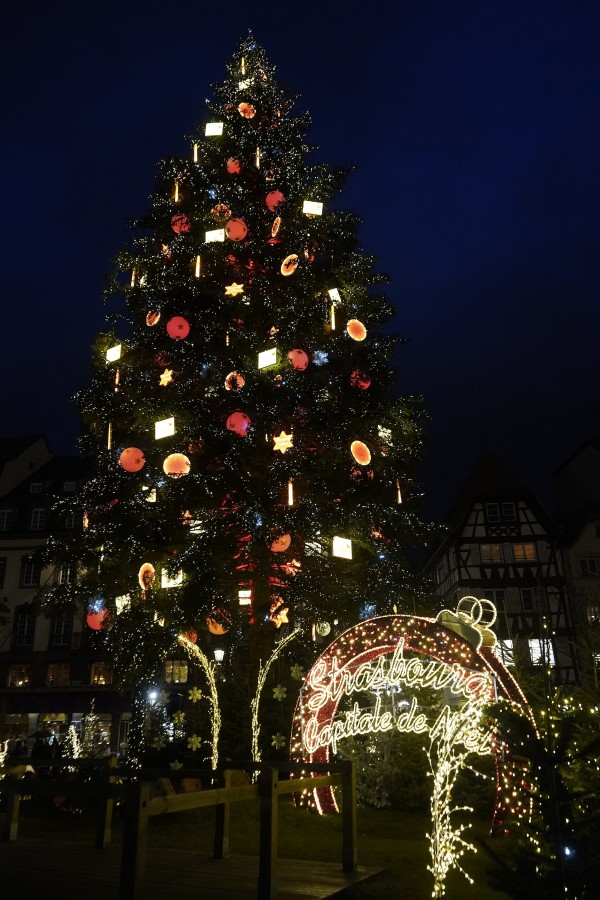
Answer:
(378, 637)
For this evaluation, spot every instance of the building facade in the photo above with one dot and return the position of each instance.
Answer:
(52, 670)
(502, 545)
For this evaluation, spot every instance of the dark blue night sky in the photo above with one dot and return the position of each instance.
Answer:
(475, 132)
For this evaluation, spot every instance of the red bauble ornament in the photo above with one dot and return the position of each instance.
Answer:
(281, 544)
(176, 465)
(239, 423)
(246, 110)
(356, 330)
(180, 223)
(359, 380)
(235, 381)
(220, 212)
(96, 616)
(290, 264)
(190, 635)
(132, 459)
(273, 199)
(360, 452)
(298, 359)
(236, 229)
(218, 621)
(178, 328)
(146, 576)
(234, 166)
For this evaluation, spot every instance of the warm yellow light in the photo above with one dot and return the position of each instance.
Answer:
(197, 269)
(267, 358)
(133, 277)
(283, 441)
(233, 289)
(245, 597)
(113, 353)
(195, 152)
(257, 158)
(217, 234)
(109, 437)
(164, 428)
(168, 581)
(290, 492)
(311, 208)
(176, 195)
(213, 129)
(398, 493)
(342, 547)
(334, 295)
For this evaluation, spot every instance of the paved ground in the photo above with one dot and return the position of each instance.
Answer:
(72, 871)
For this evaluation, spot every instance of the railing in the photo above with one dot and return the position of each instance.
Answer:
(137, 788)
(15, 785)
(141, 806)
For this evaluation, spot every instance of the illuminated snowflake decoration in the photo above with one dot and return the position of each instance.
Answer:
(279, 692)
(195, 694)
(194, 742)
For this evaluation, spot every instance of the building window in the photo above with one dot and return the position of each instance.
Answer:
(593, 615)
(6, 518)
(2, 570)
(500, 512)
(589, 567)
(541, 652)
(63, 628)
(492, 512)
(68, 573)
(524, 552)
(38, 519)
(18, 675)
(504, 650)
(491, 553)
(57, 674)
(176, 671)
(69, 487)
(527, 600)
(101, 673)
(36, 487)
(24, 627)
(70, 521)
(498, 598)
(31, 573)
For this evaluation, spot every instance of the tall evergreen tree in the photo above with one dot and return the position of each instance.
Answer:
(253, 468)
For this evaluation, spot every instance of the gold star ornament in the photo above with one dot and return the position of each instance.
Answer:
(232, 290)
(283, 442)
(166, 377)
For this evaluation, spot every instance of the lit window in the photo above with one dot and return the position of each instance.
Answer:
(57, 673)
(68, 573)
(492, 553)
(6, 518)
(524, 552)
(18, 675)
(589, 567)
(38, 519)
(504, 650)
(176, 671)
(101, 673)
(541, 652)
(36, 487)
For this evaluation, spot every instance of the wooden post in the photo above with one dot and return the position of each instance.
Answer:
(267, 858)
(349, 831)
(103, 833)
(135, 835)
(222, 815)
(11, 818)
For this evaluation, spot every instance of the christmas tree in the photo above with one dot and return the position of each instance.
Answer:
(254, 471)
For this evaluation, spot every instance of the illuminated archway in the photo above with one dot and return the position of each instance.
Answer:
(424, 652)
